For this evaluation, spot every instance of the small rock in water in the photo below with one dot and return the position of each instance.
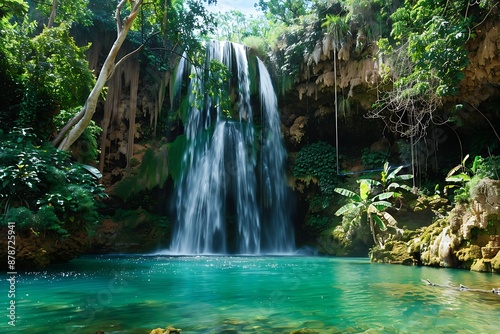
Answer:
(168, 330)
(313, 324)
(234, 322)
(304, 331)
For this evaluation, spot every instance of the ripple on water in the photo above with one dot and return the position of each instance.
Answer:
(123, 294)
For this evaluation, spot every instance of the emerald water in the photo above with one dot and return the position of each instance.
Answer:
(134, 294)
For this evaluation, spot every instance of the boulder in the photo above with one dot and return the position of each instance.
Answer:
(495, 264)
(481, 265)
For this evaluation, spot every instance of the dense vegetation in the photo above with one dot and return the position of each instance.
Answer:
(56, 86)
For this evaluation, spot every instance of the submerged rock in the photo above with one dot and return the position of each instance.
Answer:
(167, 330)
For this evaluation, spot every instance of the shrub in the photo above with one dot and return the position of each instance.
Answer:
(41, 188)
(317, 162)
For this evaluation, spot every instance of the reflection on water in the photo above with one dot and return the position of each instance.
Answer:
(133, 294)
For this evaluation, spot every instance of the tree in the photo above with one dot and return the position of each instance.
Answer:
(80, 122)
(372, 207)
(12, 7)
(424, 63)
(188, 25)
(287, 11)
(43, 69)
(372, 201)
(67, 11)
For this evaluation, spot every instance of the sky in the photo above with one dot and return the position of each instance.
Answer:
(244, 6)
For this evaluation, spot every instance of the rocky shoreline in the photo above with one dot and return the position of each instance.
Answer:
(468, 237)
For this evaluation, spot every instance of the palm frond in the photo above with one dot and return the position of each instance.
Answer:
(349, 207)
(347, 193)
(389, 219)
(379, 222)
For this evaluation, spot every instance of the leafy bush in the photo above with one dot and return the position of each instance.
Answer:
(316, 223)
(374, 159)
(488, 167)
(317, 162)
(41, 188)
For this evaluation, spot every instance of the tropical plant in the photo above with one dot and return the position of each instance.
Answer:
(40, 188)
(390, 180)
(368, 206)
(424, 36)
(317, 162)
(374, 159)
(460, 177)
(372, 200)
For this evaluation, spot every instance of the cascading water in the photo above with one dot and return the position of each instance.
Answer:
(232, 195)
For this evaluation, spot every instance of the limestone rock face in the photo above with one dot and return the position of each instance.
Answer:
(394, 252)
(495, 263)
(468, 238)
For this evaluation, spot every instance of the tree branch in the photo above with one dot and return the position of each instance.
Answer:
(83, 118)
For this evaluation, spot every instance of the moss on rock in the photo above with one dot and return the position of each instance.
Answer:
(394, 252)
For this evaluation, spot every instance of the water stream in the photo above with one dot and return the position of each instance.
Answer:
(232, 197)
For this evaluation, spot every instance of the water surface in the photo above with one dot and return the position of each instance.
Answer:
(134, 294)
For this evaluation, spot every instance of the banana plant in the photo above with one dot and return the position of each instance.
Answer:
(458, 178)
(391, 180)
(374, 206)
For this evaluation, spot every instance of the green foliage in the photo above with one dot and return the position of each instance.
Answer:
(487, 167)
(287, 11)
(461, 178)
(152, 172)
(38, 178)
(317, 162)
(390, 180)
(68, 11)
(176, 151)
(366, 203)
(59, 67)
(86, 148)
(316, 223)
(298, 41)
(46, 72)
(12, 7)
(442, 42)
(436, 32)
(256, 43)
(338, 27)
(374, 159)
(372, 201)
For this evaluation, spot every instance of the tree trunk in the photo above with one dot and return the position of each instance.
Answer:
(107, 70)
(53, 12)
(372, 229)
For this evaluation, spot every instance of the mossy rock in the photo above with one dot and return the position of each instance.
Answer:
(481, 265)
(467, 256)
(394, 252)
(304, 331)
(495, 264)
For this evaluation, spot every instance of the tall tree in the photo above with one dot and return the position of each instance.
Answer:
(80, 122)
(75, 127)
(287, 11)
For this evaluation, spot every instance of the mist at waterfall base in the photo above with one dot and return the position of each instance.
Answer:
(232, 196)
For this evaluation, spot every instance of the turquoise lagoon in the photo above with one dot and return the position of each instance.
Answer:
(238, 294)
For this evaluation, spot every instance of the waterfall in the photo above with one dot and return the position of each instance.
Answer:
(232, 196)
